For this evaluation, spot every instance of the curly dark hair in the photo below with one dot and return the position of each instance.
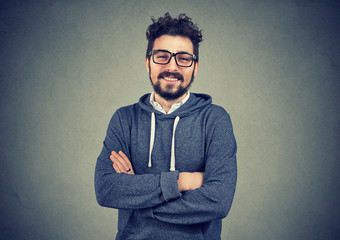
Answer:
(181, 26)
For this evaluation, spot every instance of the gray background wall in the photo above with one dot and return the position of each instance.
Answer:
(66, 66)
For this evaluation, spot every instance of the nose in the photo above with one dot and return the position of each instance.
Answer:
(172, 65)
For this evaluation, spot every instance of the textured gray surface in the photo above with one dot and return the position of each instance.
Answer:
(66, 66)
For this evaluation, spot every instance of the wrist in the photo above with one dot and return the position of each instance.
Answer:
(190, 181)
(182, 181)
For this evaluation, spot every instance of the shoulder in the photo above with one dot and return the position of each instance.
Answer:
(217, 112)
(129, 109)
(134, 110)
(124, 114)
(218, 118)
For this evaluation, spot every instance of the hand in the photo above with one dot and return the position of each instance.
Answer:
(121, 164)
(190, 181)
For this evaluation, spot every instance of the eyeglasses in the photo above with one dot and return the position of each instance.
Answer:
(163, 57)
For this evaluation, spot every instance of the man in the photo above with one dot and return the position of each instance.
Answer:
(168, 162)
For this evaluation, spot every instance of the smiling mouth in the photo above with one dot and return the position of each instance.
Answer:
(170, 79)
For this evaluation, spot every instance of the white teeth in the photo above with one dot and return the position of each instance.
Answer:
(170, 79)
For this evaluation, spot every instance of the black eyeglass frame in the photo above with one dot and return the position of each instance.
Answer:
(152, 52)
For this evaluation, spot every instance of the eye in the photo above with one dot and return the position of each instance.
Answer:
(184, 58)
(161, 57)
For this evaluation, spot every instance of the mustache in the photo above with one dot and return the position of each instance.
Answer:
(173, 74)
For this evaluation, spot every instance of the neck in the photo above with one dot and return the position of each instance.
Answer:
(166, 104)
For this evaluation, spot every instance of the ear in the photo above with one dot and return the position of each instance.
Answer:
(147, 64)
(196, 68)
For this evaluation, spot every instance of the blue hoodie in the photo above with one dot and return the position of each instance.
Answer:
(197, 137)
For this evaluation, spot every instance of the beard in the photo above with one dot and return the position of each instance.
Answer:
(167, 93)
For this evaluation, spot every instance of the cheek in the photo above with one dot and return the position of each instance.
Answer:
(155, 70)
(153, 74)
(188, 75)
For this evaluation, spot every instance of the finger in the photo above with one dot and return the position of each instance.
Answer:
(119, 166)
(127, 161)
(112, 158)
(115, 165)
(123, 162)
(119, 161)
(116, 168)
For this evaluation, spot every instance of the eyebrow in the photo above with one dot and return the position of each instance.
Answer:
(181, 51)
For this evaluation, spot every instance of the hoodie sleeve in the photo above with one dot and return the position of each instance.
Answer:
(125, 191)
(213, 200)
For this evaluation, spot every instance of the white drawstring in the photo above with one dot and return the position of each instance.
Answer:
(152, 136)
(172, 161)
(152, 140)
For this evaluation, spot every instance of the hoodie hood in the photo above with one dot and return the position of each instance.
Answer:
(194, 103)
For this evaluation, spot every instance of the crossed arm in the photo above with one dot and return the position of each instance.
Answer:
(186, 181)
(157, 195)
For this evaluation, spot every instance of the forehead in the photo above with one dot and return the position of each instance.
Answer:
(174, 43)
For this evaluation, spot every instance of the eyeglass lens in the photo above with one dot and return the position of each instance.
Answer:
(182, 59)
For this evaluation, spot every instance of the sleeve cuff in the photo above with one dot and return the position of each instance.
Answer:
(169, 185)
(147, 213)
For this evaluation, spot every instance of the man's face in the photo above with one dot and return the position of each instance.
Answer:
(171, 81)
